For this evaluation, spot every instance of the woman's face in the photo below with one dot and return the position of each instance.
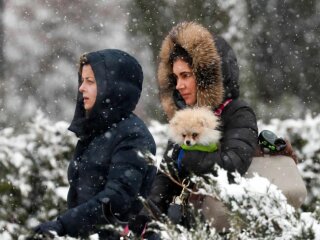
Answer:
(88, 87)
(186, 81)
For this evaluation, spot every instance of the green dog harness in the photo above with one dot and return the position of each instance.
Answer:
(203, 148)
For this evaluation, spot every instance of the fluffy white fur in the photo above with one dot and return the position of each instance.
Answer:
(192, 126)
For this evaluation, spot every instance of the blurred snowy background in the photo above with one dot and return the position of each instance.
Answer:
(278, 49)
(277, 45)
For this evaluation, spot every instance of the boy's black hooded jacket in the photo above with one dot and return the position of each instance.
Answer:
(109, 157)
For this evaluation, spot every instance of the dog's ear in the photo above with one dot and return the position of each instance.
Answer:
(208, 122)
(215, 122)
(202, 122)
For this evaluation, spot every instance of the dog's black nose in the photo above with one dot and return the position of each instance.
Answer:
(188, 142)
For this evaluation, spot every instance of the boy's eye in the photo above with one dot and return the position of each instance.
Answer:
(194, 135)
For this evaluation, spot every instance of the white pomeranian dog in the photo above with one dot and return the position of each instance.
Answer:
(192, 126)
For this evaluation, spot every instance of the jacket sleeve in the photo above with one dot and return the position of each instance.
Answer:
(162, 192)
(163, 188)
(237, 146)
(125, 177)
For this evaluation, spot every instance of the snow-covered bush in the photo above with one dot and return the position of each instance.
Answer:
(33, 184)
(33, 174)
(169, 231)
(257, 210)
(262, 210)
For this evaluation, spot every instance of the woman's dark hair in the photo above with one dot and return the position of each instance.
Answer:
(179, 52)
(83, 61)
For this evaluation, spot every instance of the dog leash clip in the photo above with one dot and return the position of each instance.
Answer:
(181, 199)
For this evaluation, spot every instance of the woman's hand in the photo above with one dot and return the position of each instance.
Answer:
(48, 228)
(197, 162)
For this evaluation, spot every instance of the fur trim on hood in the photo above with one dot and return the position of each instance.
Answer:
(206, 65)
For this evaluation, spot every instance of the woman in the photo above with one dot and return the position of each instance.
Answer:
(109, 170)
(198, 70)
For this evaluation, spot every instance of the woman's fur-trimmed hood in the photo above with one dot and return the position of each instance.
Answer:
(206, 65)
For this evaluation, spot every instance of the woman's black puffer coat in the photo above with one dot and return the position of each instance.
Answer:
(215, 66)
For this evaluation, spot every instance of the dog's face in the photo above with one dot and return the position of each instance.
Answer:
(186, 133)
(190, 138)
(194, 126)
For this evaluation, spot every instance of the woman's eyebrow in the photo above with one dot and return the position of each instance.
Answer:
(185, 72)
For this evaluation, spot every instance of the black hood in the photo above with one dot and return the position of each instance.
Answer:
(229, 67)
(119, 80)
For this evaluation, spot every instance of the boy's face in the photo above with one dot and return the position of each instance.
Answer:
(88, 87)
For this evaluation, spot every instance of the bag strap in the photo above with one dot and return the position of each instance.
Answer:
(219, 110)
